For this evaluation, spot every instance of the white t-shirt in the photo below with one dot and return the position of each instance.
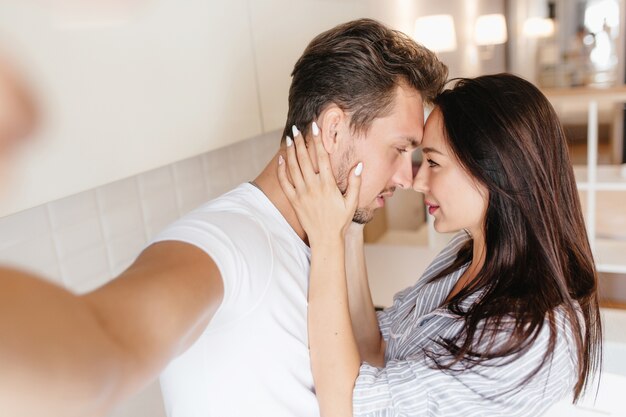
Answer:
(253, 358)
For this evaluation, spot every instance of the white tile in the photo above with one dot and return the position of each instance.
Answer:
(123, 250)
(158, 195)
(78, 237)
(118, 194)
(72, 210)
(216, 160)
(189, 170)
(245, 160)
(154, 226)
(159, 206)
(241, 163)
(120, 208)
(191, 188)
(36, 255)
(265, 147)
(85, 266)
(122, 220)
(218, 184)
(23, 226)
(217, 172)
(156, 181)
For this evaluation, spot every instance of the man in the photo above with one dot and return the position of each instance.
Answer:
(222, 293)
(17, 110)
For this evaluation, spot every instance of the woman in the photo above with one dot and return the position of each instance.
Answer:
(505, 321)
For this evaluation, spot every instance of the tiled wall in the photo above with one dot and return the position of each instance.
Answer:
(84, 240)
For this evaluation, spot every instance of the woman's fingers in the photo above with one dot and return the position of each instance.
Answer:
(287, 186)
(304, 159)
(323, 160)
(302, 172)
(293, 166)
(354, 187)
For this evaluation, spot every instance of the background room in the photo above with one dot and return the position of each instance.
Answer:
(152, 107)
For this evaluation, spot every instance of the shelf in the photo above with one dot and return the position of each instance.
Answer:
(608, 178)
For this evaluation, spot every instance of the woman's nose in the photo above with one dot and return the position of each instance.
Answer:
(420, 182)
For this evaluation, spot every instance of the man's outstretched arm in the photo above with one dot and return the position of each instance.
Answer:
(68, 355)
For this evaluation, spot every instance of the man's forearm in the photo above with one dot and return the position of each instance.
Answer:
(81, 355)
(55, 360)
(364, 321)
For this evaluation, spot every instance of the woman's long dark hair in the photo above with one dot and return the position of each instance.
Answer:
(506, 134)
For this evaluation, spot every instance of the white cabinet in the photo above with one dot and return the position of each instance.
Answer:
(157, 83)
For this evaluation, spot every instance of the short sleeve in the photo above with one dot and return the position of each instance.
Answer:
(240, 247)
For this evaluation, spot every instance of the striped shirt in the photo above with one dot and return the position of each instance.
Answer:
(409, 385)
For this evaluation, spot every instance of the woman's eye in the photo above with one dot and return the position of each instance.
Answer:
(432, 163)
(402, 150)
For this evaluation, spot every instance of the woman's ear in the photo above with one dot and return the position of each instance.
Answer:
(330, 123)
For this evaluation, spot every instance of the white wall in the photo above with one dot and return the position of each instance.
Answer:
(129, 86)
(168, 81)
(127, 97)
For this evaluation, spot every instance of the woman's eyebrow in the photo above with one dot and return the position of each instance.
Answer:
(431, 150)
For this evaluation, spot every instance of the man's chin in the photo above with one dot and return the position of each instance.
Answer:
(363, 215)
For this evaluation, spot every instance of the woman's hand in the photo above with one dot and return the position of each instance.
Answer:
(323, 211)
(325, 214)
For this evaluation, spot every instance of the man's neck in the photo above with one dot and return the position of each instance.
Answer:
(268, 182)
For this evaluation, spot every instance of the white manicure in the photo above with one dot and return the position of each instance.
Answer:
(359, 169)
(295, 131)
(288, 140)
(315, 128)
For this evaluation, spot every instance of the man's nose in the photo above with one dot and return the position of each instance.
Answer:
(403, 176)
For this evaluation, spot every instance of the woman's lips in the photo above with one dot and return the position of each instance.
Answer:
(432, 208)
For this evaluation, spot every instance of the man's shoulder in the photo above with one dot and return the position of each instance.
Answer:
(238, 200)
(236, 205)
(233, 220)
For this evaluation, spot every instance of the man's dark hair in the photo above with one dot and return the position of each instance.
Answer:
(357, 66)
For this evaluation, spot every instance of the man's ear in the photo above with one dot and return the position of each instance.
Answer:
(331, 122)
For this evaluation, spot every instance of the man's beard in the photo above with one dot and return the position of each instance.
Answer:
(361, 215)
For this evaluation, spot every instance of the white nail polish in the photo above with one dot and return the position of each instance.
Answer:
(295, 131)
(359, 169)
(315, 128)
(288, 140)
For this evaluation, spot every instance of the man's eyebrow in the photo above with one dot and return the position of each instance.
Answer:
(413, 142)
(431, 150)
